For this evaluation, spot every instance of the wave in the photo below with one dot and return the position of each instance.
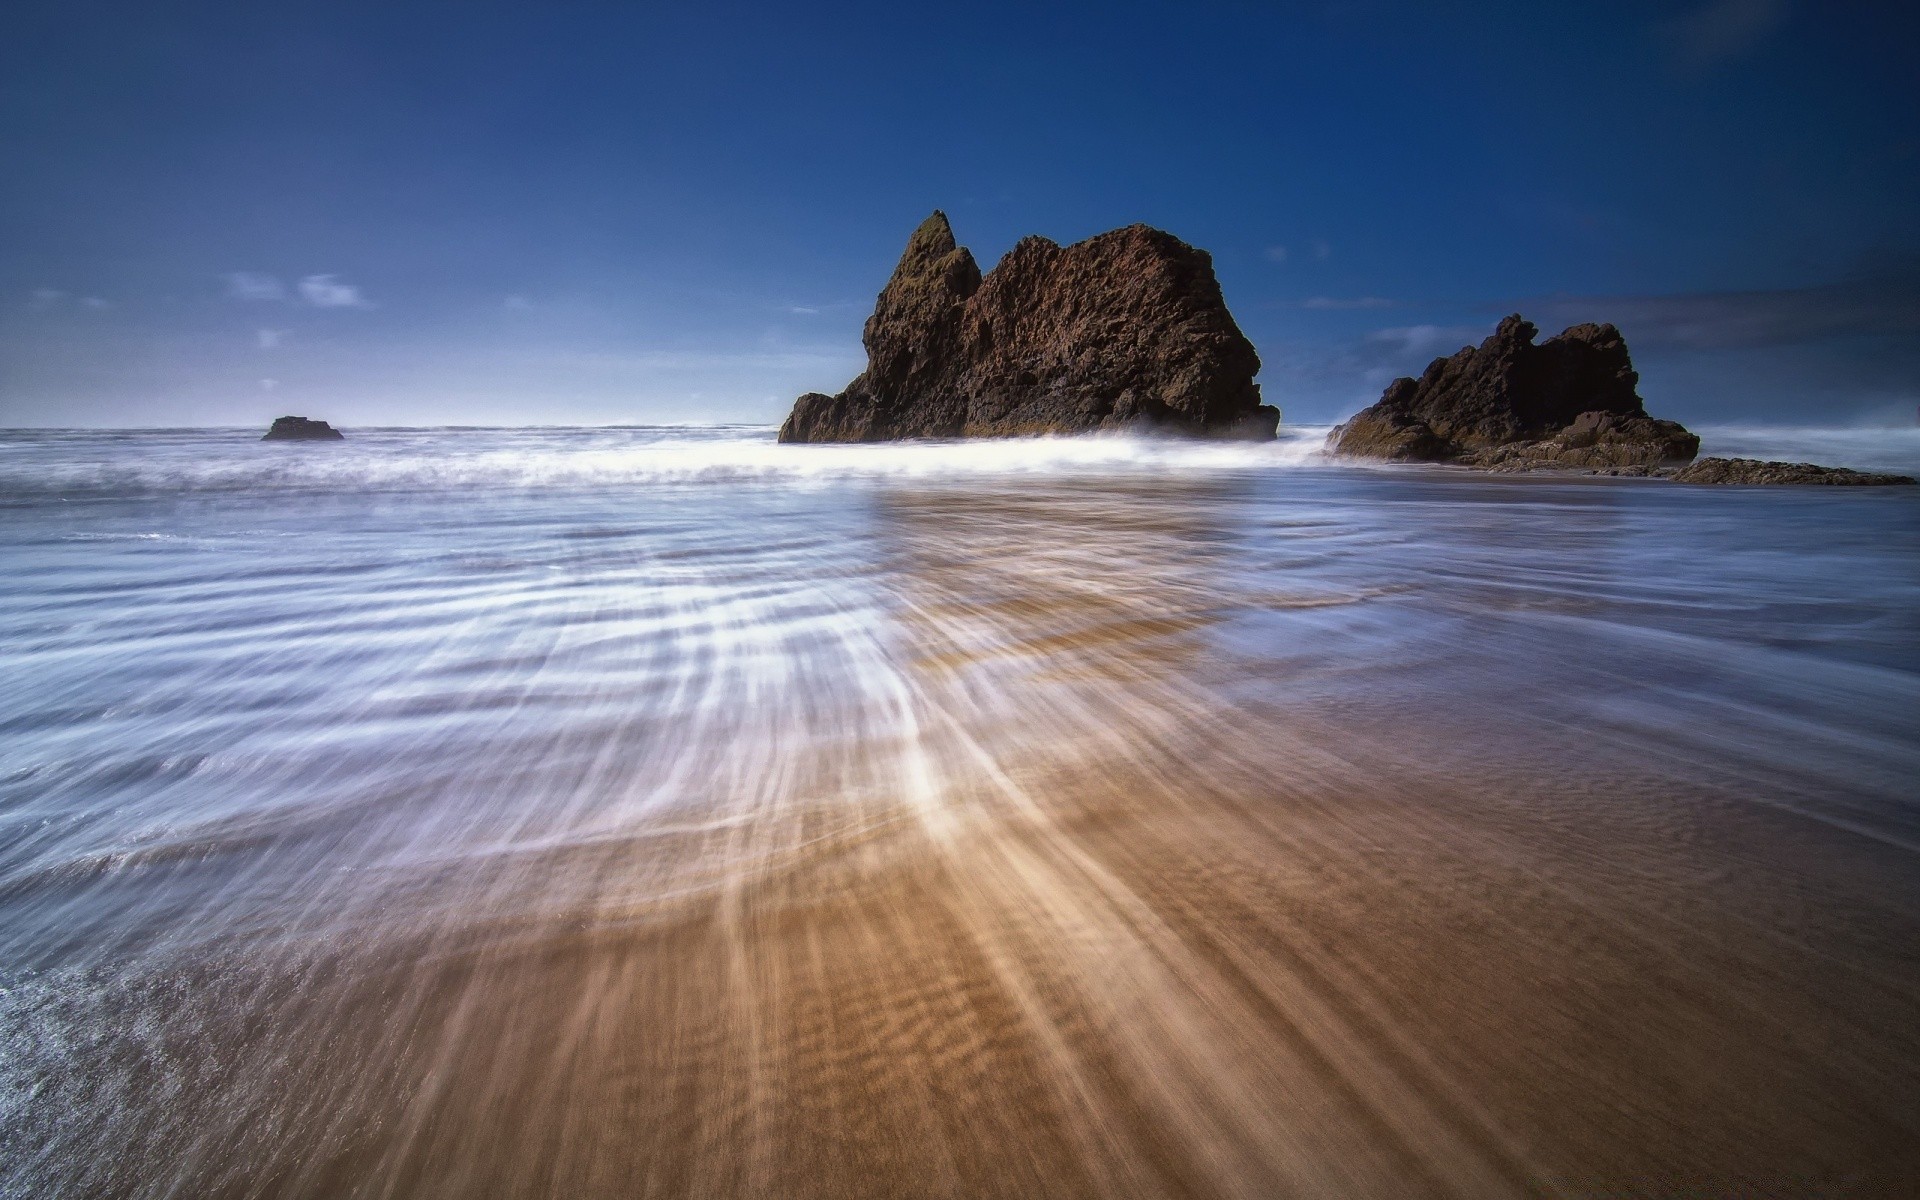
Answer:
(209, 461)
(36, 465)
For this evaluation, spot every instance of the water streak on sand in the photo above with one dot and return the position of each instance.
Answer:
(672, 813)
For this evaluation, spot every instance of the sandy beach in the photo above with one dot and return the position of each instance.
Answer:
(1138, 834)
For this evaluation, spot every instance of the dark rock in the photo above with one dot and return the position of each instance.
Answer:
(1510, 405)
(1753, 470)
(299, 429)
(1595, 441)
(1124, 330)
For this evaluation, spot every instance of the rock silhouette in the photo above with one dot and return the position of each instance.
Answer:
(1508, 404)
(299, 429)
(1126, 330)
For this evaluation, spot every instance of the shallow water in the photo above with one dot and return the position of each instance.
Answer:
(647, 811)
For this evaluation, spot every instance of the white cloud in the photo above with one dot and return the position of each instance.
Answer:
(1276, 254)
(268, 385)
(252, 285)
(1422, 340)
(322, 292)
(43, 299)
(1322, 249)
(1722, 31)
(269, 338)
(517, 303)
(811, 308)
(1331, 303)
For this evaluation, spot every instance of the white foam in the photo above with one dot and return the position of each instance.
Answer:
(552, 458)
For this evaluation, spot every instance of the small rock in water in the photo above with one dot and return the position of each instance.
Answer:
(299, 429)
(1753, 470)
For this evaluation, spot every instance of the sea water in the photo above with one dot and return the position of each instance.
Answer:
(282, 722)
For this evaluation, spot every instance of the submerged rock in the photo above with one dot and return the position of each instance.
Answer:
(299, 429)
(1125, 330)
(1510, 405)
(1753, 470)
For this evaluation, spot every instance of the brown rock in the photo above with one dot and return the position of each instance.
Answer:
(1753, 470)
(1127, 329)
(1508, 404)
(1595, 441)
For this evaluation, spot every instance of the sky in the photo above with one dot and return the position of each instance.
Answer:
(596, 213)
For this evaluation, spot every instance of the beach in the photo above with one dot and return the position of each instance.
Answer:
(667, 812)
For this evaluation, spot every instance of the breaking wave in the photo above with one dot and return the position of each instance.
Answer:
(134, 463)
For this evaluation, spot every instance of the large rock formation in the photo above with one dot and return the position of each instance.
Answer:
(1753, 470)
(1509, 404)
(1124, 330)
(299, 429)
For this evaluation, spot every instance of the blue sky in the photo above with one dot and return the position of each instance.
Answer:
(475, 213)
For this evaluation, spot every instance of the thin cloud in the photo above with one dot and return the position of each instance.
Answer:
(253, 286)
(1276, 254)
(269, 338)
(516, 304)
(1721, 32)
(1404, 342)
(1335, 304)
(1322, 249)
(831, 359)
(322, 291)
(1880, 306)
(1356, 370)
(94, 302)
(42, 299)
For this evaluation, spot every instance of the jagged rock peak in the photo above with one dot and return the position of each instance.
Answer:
(1127, 329)
(933, 258)
(932, 238)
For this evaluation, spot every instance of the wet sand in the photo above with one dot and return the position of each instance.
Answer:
(1427, 989)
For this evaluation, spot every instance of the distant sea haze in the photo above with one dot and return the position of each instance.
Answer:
(664, 811)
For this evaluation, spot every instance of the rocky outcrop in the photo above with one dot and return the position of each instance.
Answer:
(1753, 470)
(1508, 404)
(299, 429)
(1126, 330)
(1597, 441)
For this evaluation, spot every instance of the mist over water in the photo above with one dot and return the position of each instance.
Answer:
(1864, 448)
(672, 812)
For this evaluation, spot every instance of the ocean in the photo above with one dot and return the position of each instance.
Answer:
(665, 811)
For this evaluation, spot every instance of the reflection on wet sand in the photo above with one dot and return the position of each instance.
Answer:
(1009, 861)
